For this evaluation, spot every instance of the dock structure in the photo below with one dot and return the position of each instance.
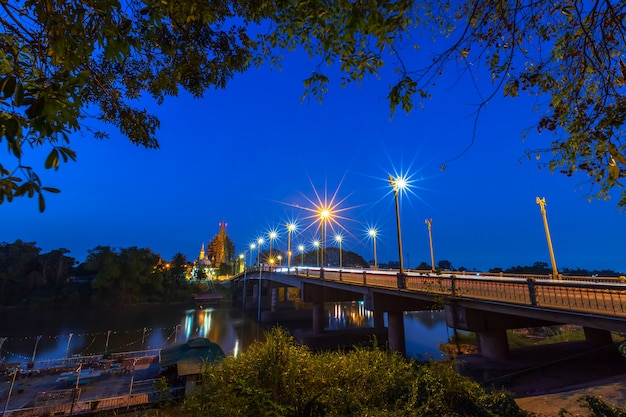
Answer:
(90, 387)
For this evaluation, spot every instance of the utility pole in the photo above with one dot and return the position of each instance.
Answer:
(542, 204)
(429, 223)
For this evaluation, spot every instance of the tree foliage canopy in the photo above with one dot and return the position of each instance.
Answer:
(61, 61)
(568, 54)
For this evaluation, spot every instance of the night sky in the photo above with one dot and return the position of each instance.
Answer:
(253, 156)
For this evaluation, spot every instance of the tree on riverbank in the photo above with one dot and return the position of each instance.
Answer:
(26, 273)
(109, 276)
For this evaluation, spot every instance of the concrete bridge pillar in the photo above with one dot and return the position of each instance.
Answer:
(493, 343)
(597, 336)
(395, 331)
(318, 318)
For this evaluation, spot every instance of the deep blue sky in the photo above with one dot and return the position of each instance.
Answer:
(249, 153)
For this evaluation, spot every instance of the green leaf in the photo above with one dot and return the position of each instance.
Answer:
(51, 190)
(42, 203)
(8, 86)
(52, 161)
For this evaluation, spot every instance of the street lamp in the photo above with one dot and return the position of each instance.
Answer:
(272, 235)
(372, 232)
(339, 239)
(324, 214)
(280, 260)
(291, 227)
(398, 184)
(429, 223)
(245, 275)
(301, 249)
(542, 204)
(259, 242)
(316, 245)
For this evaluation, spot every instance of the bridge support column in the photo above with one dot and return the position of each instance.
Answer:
(318, 318)
(493, 343)
(597, 336)
(395, 331)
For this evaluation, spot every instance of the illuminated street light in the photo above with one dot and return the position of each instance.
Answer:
(291, 227)
(429, 223)
(260, 243)
(325, 216)
(301, 249)
(280, 260)
(398, 184)
(339, 239)
(372, 232)
(542, 204)
(272, 235)
(316, 244)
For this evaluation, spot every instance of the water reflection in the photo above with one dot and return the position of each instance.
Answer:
(349, 315)
(46, 334)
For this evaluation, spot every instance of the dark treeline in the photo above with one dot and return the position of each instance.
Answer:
(108, 277)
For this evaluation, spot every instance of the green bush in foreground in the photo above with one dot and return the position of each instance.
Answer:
(280, 378)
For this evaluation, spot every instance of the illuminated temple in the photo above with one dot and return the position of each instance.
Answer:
(217, 260)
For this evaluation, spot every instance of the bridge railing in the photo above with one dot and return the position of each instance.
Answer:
(583, 295)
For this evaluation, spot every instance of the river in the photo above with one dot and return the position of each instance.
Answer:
(55, 333)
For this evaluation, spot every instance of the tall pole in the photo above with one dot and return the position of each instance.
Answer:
(35, 349)
(429, 222)
(301, 249)
(397, 186)
(291, 227)
(339, 239)
(6, 405)
(245, 275)
(372, 232)
(323, 216)
(259, 243)
(542, 205)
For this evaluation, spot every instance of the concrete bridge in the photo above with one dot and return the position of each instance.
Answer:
(487, 304)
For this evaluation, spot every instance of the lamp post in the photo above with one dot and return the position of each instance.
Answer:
(301, 249)
(291, 227)
(542, 204)
(280, 260)
(398, 184)
(316, 245)
(324, 216)
(272, 235)
(339, 239)
(259, 242)
(245, 278)
(429, 223)
(242, 258)
(372, 232)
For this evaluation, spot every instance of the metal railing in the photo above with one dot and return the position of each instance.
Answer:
(604, 296)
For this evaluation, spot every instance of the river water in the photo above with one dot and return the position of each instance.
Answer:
(46, 334)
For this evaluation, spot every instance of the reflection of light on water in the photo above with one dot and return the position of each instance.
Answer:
(236, 348)
(205, 323)
(349, 315)
(189, 321)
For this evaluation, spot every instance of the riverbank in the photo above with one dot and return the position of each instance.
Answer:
(547, 378)
(611, 390)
